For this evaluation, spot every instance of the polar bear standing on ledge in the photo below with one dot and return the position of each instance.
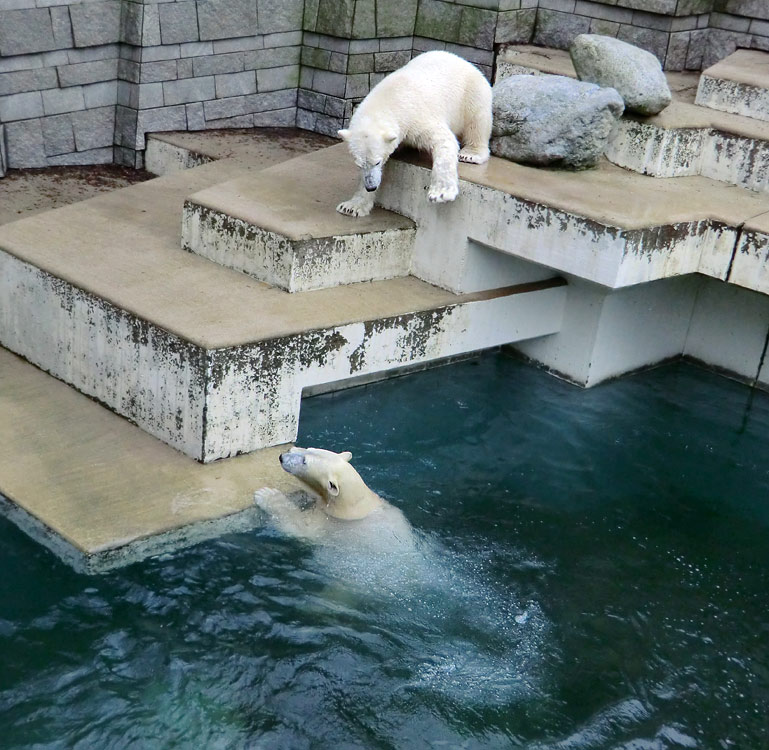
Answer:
(429, 103)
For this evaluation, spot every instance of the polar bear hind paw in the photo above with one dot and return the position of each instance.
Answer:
(474, 157)
(353, 208)
(444, 193)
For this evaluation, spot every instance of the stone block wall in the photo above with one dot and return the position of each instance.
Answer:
(83, 81)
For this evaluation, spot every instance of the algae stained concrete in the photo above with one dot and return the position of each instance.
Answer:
(101, 492)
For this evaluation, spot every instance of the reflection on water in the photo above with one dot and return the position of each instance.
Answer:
(591, 571)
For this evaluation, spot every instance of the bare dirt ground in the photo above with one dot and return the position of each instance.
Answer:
(24, 192)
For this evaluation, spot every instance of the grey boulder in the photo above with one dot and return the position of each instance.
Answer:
(635, 73)
(552, 120)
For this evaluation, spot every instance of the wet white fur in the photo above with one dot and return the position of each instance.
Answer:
(429, 103)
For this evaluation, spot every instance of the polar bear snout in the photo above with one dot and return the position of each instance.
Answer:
(372, 178)
(291, 462)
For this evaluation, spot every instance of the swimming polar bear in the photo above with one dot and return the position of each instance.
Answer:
(428, 103)
(346, 512)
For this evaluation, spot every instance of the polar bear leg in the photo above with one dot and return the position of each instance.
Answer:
(287, 517)
(478, 131)
(444, 183)
(360, 204)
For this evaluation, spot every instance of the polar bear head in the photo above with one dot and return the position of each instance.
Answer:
(342, 491)
(370, 145)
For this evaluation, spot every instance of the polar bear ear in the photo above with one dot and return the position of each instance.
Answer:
(343, 134)
(346, 456)
(390, 136)
(333, 488)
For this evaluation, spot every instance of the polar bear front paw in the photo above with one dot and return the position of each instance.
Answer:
(354, 208)
(270, 500)
(443, 192)
(474, 157)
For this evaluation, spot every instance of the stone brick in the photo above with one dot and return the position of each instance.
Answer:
(92, 54)
(235, 84)
(21, 106)
(652, 21)
(151, 26)
(62, 27)
(283, 39)
(396, 18)
(23, 32)
(690, 7)
(3, 154)
(335, 18)
(278, 118)
(279, 15)
(232, 62)
(752, 8)
(329, 83)
(316, 57)
(476, 28)
(196, 49)
(721, 44)
(359, 46)
(423, 44)
(89, 72)
(565, 6)
(275, 79)
(364, 19)
(305, 120)
(438, 20)
(184, 68)
(95, 23)
(310, 15)
(311, 100)
(509, 5)
(667, 7)
(163, 70)
(243, 44)
(479, 57)
(178, 22)
(360, 63)
(729, 23)
(131, 22)
(242, 105)
(338, 62)
(606, 12)
(94, 128)
(606, 28)
(19, 81)
(558, 30)
(149, 95)
(241, 121)
(761, 28)
(384, 62)
(271, 58)
(195, 118)
(125, 126)
(678, 45)
(651, 40)
(395, 44)
(128, 70)
(58, 137)
(227, 19)
(57, 101)
(515, 26)
(100, 94)
(157, 120)
(82, 158)
(161, 52)
(357, 86)
(24, 142)
(189, 90)
(334, 44)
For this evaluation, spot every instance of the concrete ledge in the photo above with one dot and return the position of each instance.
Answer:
(608, 226)
(738, 84)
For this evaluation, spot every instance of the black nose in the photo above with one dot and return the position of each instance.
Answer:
(281, 459)
(370, 189)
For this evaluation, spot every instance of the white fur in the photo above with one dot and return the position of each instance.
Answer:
(429, 103)
(344, 508)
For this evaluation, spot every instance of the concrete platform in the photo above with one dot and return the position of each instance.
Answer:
(738, 84)
(64, 464)
(607, 225)
(685, 139)
(281, 227)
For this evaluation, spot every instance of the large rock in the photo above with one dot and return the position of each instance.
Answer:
(552, 120)
(635, 73)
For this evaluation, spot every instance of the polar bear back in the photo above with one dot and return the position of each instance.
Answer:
(434, 88)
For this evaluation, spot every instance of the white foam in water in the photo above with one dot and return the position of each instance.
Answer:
(423, 586)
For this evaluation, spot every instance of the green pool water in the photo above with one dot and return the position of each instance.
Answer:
(591, 571)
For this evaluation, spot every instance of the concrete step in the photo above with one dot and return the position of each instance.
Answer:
(281, 227)
(685, 139)
(64, 464)
(606, 225)
(738, 84)
(210, 361)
